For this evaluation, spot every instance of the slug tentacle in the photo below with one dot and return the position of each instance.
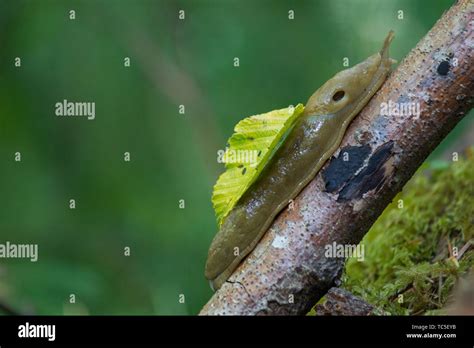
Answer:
(316, 134)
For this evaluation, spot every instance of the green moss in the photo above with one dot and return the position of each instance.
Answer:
(410, 264)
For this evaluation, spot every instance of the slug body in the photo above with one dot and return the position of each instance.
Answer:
(314, 137)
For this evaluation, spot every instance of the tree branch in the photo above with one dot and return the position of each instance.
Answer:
(342, 302)
(288, 271)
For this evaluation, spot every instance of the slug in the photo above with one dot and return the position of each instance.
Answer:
(316, 134)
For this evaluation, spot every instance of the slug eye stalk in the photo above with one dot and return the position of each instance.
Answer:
(351, 86)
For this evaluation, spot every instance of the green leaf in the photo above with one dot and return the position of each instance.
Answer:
(249, 149)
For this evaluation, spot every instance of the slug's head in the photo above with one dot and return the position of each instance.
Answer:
(352, 87)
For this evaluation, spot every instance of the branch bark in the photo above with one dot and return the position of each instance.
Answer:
(288, 271)
(342, 302)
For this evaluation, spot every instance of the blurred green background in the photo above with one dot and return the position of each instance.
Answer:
(173, 156)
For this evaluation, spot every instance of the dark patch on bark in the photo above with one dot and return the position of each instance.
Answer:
(339, 171)
(371, 177)
(443, 68)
